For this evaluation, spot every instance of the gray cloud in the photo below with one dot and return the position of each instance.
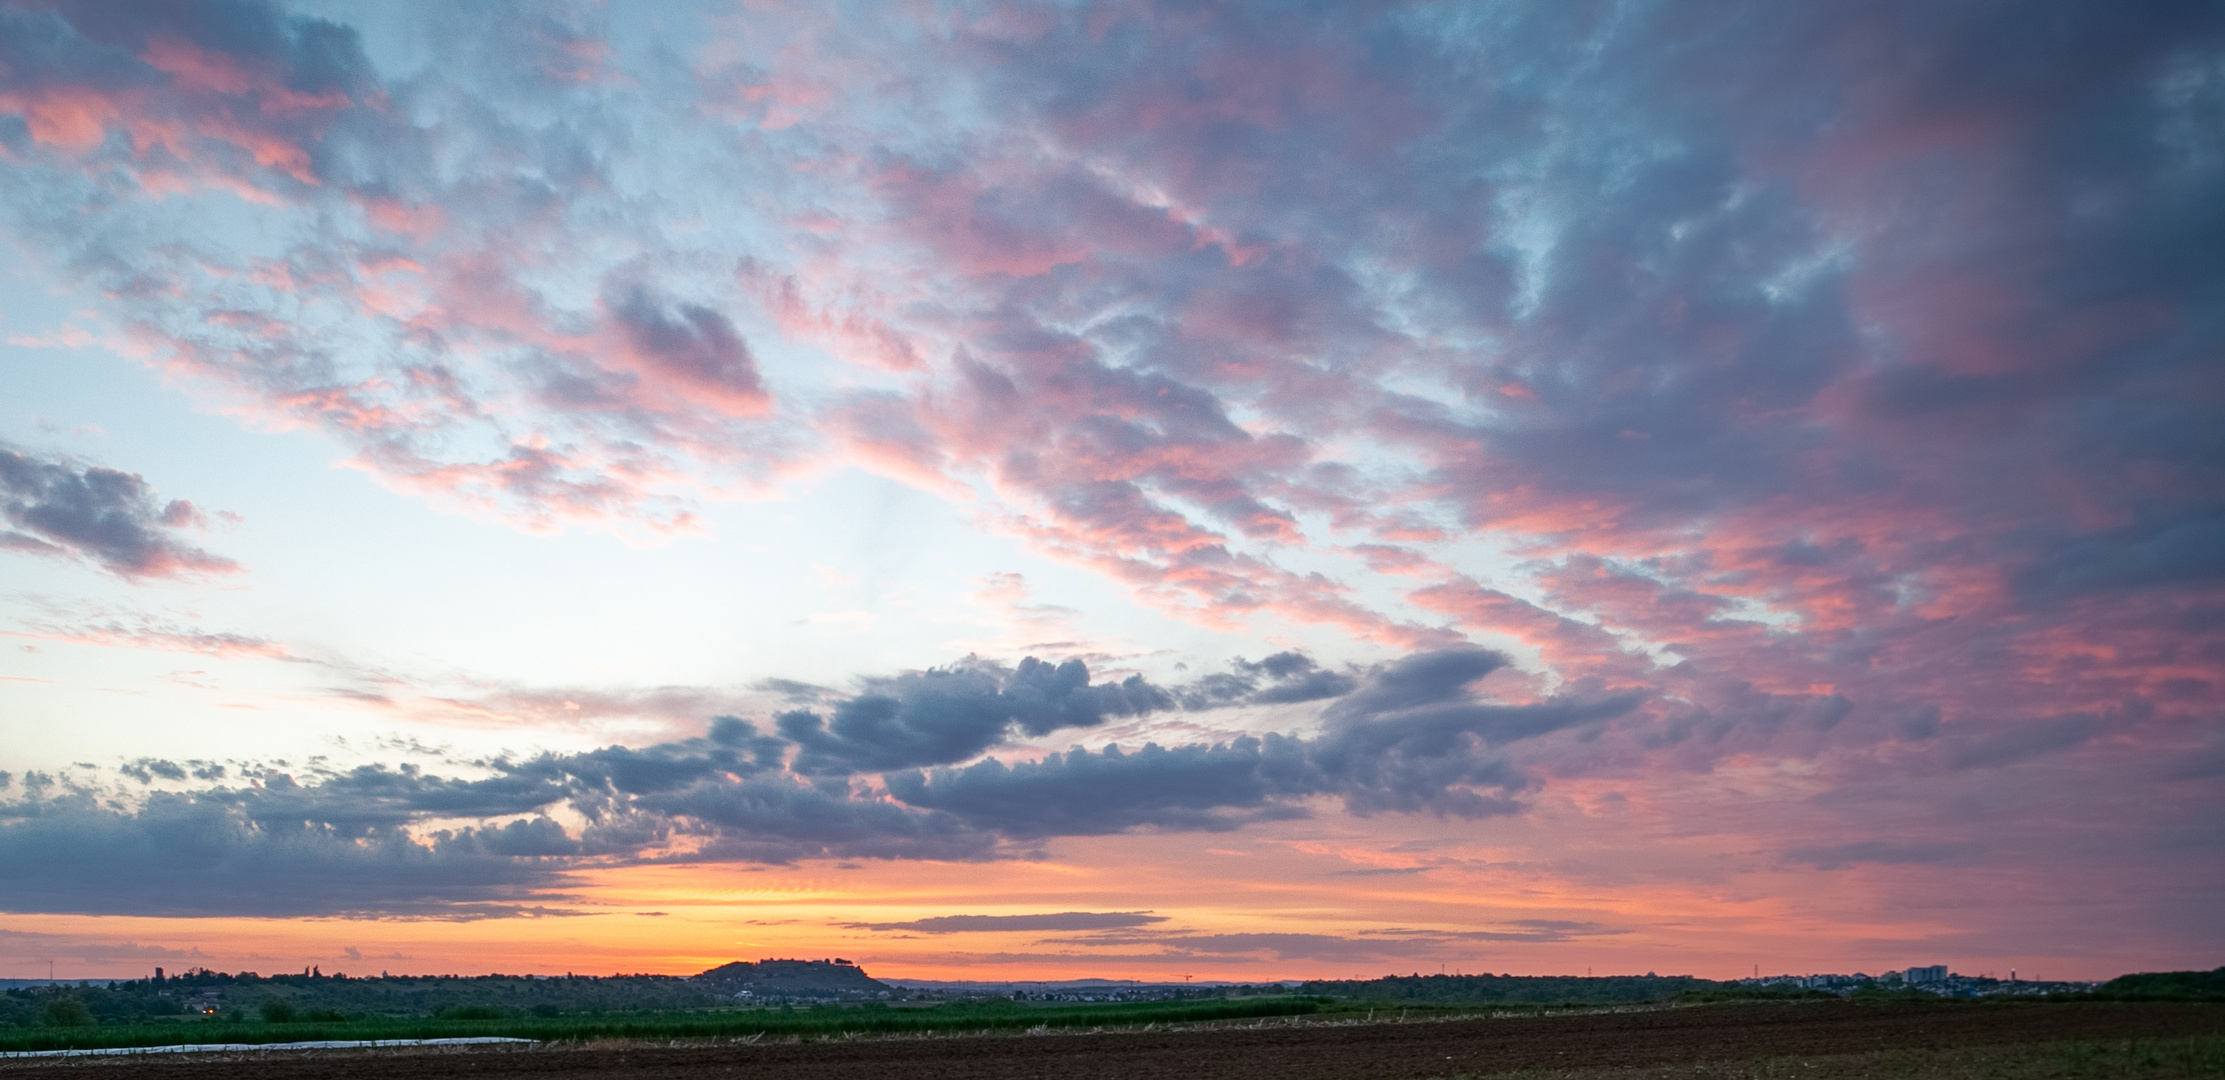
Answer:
(780, 820)
(1196, 787)
(2181, 547)
(104, 516)
(1411, 738)
(691, 343)
(2011, 743)
(224, 853)
(148, 770)
(1286, 678)
(1522, 930)
(1280, 946)
(976, 924)
(950, 714)
(1889, 852)
(1366, 945)
(23, 945)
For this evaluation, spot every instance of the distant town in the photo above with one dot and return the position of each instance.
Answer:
(1931, 979)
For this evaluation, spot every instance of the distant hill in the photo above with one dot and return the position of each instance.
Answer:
(2167, 986)
(795, 979)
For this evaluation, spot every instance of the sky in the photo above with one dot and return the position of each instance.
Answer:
(1130, 490)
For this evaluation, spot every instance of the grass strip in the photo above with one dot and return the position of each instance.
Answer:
(819, 1023)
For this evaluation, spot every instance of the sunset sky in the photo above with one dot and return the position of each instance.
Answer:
(1240, 491)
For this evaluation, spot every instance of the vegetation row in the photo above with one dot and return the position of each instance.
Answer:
(819, 1022)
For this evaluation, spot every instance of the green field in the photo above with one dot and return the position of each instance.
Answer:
(308, 1007)
(821, 1022)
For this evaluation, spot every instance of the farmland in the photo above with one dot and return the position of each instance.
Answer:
(1729, 1041)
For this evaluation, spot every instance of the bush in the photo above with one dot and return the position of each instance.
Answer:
(2166, 986)
(471, 1012)
(1756, 993)
(1873, 993)
(325, 1016)
(68, 1012)
(278, 1010)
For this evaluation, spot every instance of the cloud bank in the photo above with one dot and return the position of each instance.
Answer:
(1410, 737)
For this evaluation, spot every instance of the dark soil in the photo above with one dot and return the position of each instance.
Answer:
(1318, 1051)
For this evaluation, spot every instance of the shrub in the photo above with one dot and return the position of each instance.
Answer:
(68, 1012)
(2167, 986)
(278, 1010)
(471, 1012)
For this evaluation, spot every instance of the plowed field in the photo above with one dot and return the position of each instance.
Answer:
(1318, 1051)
